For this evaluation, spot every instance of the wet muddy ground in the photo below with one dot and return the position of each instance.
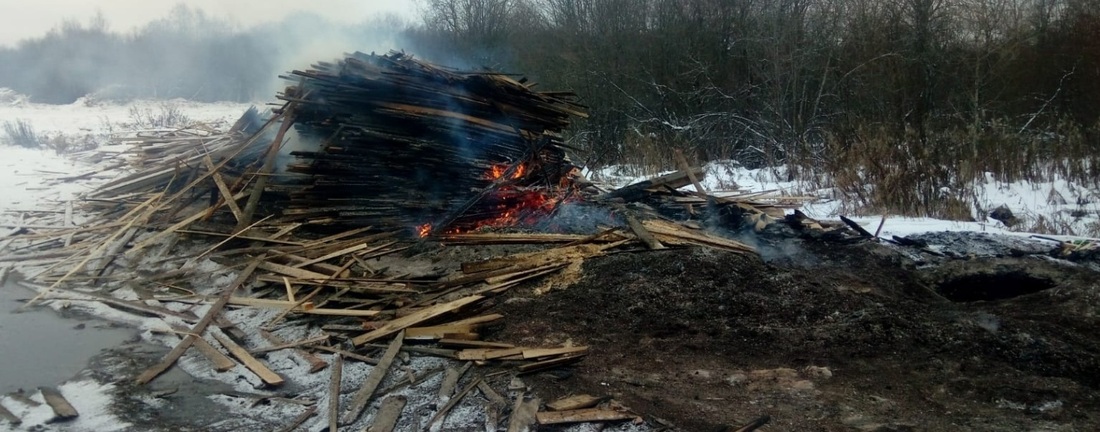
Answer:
(830, 336)
(42, 347)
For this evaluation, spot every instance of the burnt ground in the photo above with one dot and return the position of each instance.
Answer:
(828, 337)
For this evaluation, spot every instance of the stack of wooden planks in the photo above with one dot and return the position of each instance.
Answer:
(401, 142)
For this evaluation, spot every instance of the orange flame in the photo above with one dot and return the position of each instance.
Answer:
(424, 230)
(496, 172)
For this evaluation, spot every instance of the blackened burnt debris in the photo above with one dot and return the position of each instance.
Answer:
(404, 143)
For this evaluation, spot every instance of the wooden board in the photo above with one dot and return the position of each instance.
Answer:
(377, 373)
(574, 402)
(581, 416)
(62, 409)
(415, 318)
(388, 414)
(267, 375)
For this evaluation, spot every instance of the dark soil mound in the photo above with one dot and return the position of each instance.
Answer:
(828, 337)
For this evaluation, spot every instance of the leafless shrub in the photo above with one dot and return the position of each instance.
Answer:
(21, 133)
(167, 115)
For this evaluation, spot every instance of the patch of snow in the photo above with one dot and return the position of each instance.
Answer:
(91, 399)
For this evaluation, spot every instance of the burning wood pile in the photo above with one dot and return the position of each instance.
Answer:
(401, 149)
(403, 143)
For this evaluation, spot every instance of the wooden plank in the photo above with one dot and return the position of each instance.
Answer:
(293, 425)
(436, 332)
(674, 231)
(334, 393)
(221, 362)
(523, 415)
(62, 409)
(377, 373)
(303, 309)
(441, 416)
(415, 318)
(9, 416)
(316, 364)
(200, 327)
(220, 183)
(549, 364)
(690, 173)
(286, 345)
(581, 416)
(332, 255)
(494, 397)
(269, 164)
(534, 353)
(267, 375)
(643, 234)
(489, 354)
(388, 414)
(857, 227)
(574, 402)
(291, 271)
(474, 344)
(346, 354)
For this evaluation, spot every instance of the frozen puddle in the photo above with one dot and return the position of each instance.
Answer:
(40, 347)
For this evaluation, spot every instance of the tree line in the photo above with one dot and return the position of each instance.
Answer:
(916, 96)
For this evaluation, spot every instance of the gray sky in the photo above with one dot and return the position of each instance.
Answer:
(20, 19)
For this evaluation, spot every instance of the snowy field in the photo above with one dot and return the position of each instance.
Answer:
(1073, 209)
(41, 184)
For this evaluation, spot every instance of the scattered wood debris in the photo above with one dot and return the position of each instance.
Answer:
(320, 241)
(62, 409)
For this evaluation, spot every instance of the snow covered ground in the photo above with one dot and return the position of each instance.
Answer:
(1070, 209)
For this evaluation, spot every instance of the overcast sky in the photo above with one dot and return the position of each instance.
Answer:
(20, 19)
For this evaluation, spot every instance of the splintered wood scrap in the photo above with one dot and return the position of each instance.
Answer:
(292, 271)
(460, 343)
(523, 414)
(536, 353)
(415, 318)
(642, 233)
(494, 397)
(293, 425)
(334, 393)
(489, 354)
(389, 412)
(295, 344)
(303, 307)
(450, 381)
(857, 227)
(574, 402)
(437, 332)
(441, 416)
(377, 373)
(345, 354)
(582, 416)
(549, 364)
(200, 327)
(62, 409)
(267, 375)
(221, 362)
(316, 364)
(674, 233)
